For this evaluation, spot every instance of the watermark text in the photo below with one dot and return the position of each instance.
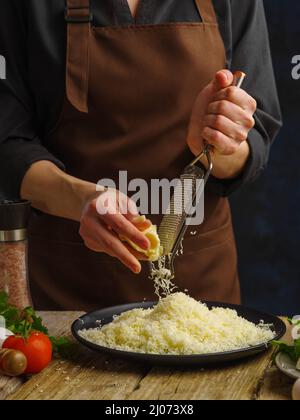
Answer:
(2, 67)
(296, 67)
(180, 196)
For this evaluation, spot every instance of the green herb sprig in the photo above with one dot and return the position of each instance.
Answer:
(24, 322)
(292, 350)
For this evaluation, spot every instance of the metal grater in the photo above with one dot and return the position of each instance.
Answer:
(173, 226)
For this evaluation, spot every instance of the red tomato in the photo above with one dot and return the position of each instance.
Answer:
(37, 349)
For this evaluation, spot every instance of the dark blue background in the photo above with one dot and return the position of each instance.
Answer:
(267, 214)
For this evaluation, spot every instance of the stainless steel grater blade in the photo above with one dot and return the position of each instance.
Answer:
(186, 193)
(173, 226)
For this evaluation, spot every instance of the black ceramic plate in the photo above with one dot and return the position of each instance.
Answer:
(92, 319)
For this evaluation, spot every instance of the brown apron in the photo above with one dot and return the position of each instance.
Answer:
(129, 95)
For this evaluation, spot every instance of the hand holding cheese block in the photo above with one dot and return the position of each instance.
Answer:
(105, 219)
(155, 251)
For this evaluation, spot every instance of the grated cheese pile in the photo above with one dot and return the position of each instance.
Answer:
(179, 325)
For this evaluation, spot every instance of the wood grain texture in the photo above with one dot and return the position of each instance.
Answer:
(90, 376)
(275, 386)
(231, 382)
(8, 386)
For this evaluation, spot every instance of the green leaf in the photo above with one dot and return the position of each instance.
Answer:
(64, 347)
(10, 315)
(29, 311)
(297, 349)
(293, 321)
(3, 301)
(291, 350)
(37, 325)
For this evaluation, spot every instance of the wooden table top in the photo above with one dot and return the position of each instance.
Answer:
(98, 377)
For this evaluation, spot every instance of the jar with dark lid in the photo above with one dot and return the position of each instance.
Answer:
(14, 217)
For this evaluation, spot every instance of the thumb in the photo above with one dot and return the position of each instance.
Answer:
(223, 79)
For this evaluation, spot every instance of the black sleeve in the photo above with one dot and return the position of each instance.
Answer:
(20, 145)
(249, 51)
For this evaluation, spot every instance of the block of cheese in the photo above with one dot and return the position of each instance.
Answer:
(155, 251)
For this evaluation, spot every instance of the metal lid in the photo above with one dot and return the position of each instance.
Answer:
(14, 215)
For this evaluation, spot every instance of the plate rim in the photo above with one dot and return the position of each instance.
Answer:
(286, 372)
(228, 355)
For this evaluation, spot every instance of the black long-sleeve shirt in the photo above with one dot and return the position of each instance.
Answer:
(33, 41)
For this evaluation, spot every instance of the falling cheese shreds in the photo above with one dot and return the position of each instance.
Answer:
(179, 325)
(162, 278)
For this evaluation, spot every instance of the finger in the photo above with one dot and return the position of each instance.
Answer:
(142, 226)
(138, 255)
(102, 239)
(132, 209)
(141, 223)
(237, 96)
(227, 127)
(124, 227)
(93, 245)
(232, 111)
(127, 258)
(222, 143)
(223, 79)
(126, 206)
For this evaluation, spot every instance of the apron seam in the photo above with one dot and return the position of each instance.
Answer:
(154, 26)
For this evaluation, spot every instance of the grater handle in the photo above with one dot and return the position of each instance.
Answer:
(238, 80)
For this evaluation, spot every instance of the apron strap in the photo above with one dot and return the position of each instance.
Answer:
(78, 17)
(207, 11)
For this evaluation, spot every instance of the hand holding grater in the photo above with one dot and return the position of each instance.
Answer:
(186, 195)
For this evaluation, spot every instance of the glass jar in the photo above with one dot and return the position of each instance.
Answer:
(14, 217)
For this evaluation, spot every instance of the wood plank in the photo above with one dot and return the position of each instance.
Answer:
(94, 379)
(275, 386)
(237, 381)
(89, 376)
(9, 385)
